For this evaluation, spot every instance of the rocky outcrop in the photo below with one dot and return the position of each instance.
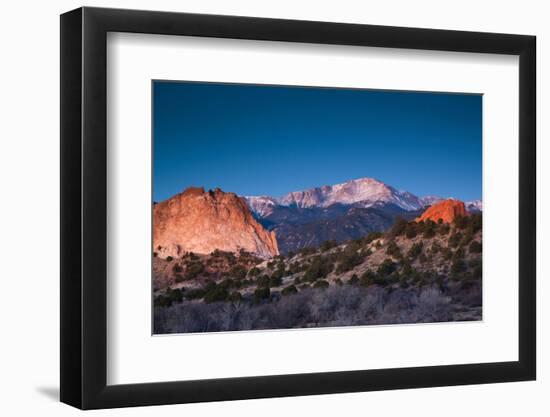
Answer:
(202, 221)
(446, 211)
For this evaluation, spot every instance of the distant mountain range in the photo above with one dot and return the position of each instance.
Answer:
(338, 212)
(361, 192)
(202, 221)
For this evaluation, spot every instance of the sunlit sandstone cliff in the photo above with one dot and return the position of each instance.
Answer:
(446, 210)
(202, 221)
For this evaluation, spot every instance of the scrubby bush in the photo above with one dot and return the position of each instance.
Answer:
(459, 253)
(387, 267)
(291, 289)
(366, 252)
(194, 294)
(455, 239)
(367, 278)
(261, 294)
(275, 280)
(411, 230)
(244, 253)
(429, 229)
(411, 274)
(245, 283)
(216, 293)
(457, 265)
(320, 267)
(327, 245)
(398, 228)
(254, 272)
(447, 254)
(354, 280)
(238, 271)
(476, 267)
(228, 256)
(415, 250)
(467, 238)
(354, 246)
(475, 247)
(393, 250)
(476, 222)
(461, 222)
(296, 267)
(263, 281)
(209, 285)
(193, 269)
(228, 283)
(348, 260)
(443, 228)
(407, 268)
(307, 251)
(194, 257)
(372, 236)
(174, 294)
(382, 280)
(235, 297)
(322, 284)
(403, 281)
(162, 301)
(281, 270)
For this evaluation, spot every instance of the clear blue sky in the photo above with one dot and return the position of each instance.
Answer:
(270, 140)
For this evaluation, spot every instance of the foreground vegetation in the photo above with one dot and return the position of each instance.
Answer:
(336, 306)
(415, 272)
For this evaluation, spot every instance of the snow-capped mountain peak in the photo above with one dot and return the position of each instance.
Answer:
(474, 205)
(261, 205)
(429, 200)
(363, 192)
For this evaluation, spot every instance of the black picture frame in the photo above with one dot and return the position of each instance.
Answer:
(84, 207)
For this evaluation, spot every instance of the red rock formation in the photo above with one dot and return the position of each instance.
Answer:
(199, 221)
(445, 210)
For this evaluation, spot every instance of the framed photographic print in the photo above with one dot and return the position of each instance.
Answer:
(257, 207)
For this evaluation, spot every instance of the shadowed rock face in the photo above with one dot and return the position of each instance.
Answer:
(201, 221)
(446, 210)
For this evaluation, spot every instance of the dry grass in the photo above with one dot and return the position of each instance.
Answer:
(335, 306)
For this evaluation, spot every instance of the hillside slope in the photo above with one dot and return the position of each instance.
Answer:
(411, 259)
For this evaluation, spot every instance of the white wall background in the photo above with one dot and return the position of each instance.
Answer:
(29, 175)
